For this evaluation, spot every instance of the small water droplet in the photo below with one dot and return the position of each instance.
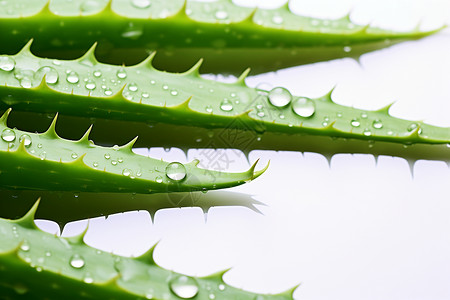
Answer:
(226, 105)
(260, 114)
(133, 87)
(108, 92)
(43, 155)
(221, 15)
(277, 20)
(26, 139)
(347, 49)
(145, 95)
(56, 62)
(48, 253)
(141, 3)
(364, 115)
(413, 127)
(280, 97)
(159, 179)
(174, 92)
(74, 155)
(25, 246)
(184, 287)
(7, 63)
(107, 156)
(114, 162)
(77, 261)
(20, 289)
(132, 32)
(221, 287)
(304, 107)
(165, 87)
(377, 124)
(88, 278)
(126, 172)
(176, 171)
(51, 75)
(97, 73)
(121, 73)
(209, 108)
(355, 123)
(72, 77)
(95, 164)
(367, 132)
(8, 135)
(120, 160)
(90, 85)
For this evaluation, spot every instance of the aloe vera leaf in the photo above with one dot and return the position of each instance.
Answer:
(206, 28)
(141, 94)
(64, 207)
(39, 265)
(47, 162)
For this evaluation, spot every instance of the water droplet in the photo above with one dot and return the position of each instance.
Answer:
(26, 139)
(89, 6)
(90, 85)
(7, 63)
(260, 114)
(20, 289)
(107, 156)
(8, 135)
(281, 116)
(367, 132)
(176, 171)
(277, 20)
(280, 97)
(88, 278)
(226, 105)
(303, 107)
(364, 115)
(51, 75)
(97, 73)
(165, 87)
(74, 155)
(72, 77)
(138, 173)
(355, 123)
(121, 73)
(209, 108)
(133, 87)
(145, 95)
(413, 127)
(141, 3)
(56, 62)
(221, 15)
(126, 172)
(120, 160)
(95, 164)
(77, 261)
(25, 246)
(43, 155)
(132, 32)
(114, 162)
(377, 124)
(174, 92)
(159, 179)
(184, 287)
(347, 49)
(108, 92)
(48, 254)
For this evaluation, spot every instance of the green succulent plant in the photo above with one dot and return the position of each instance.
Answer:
(78, 179)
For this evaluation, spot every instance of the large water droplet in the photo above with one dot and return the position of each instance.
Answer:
(73, 77)
(303, 107)
(280, 97)
(7, 63)
(176, 171)
(133, 87)
(184, 287)
(26, 139)
(25, 77)
(77, 261)
(8, 135)
(377, 124)
(355, 123)
(277, 20)
(141, 3)
(226, 105)
(51, 75)
(221, 15)
(90, 85)
(121, 73)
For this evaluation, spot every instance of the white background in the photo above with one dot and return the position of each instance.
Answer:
(359, 230)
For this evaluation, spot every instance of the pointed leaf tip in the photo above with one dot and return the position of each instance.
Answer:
(195, 70)
(241, 79)
(256, 174)
(51, 131)
(4, 117)
(79, 238)
(147, 257)
(27, 220)
(85, 137)
(148, 62)
(130, 144)
(27, 48)
(90, 55)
